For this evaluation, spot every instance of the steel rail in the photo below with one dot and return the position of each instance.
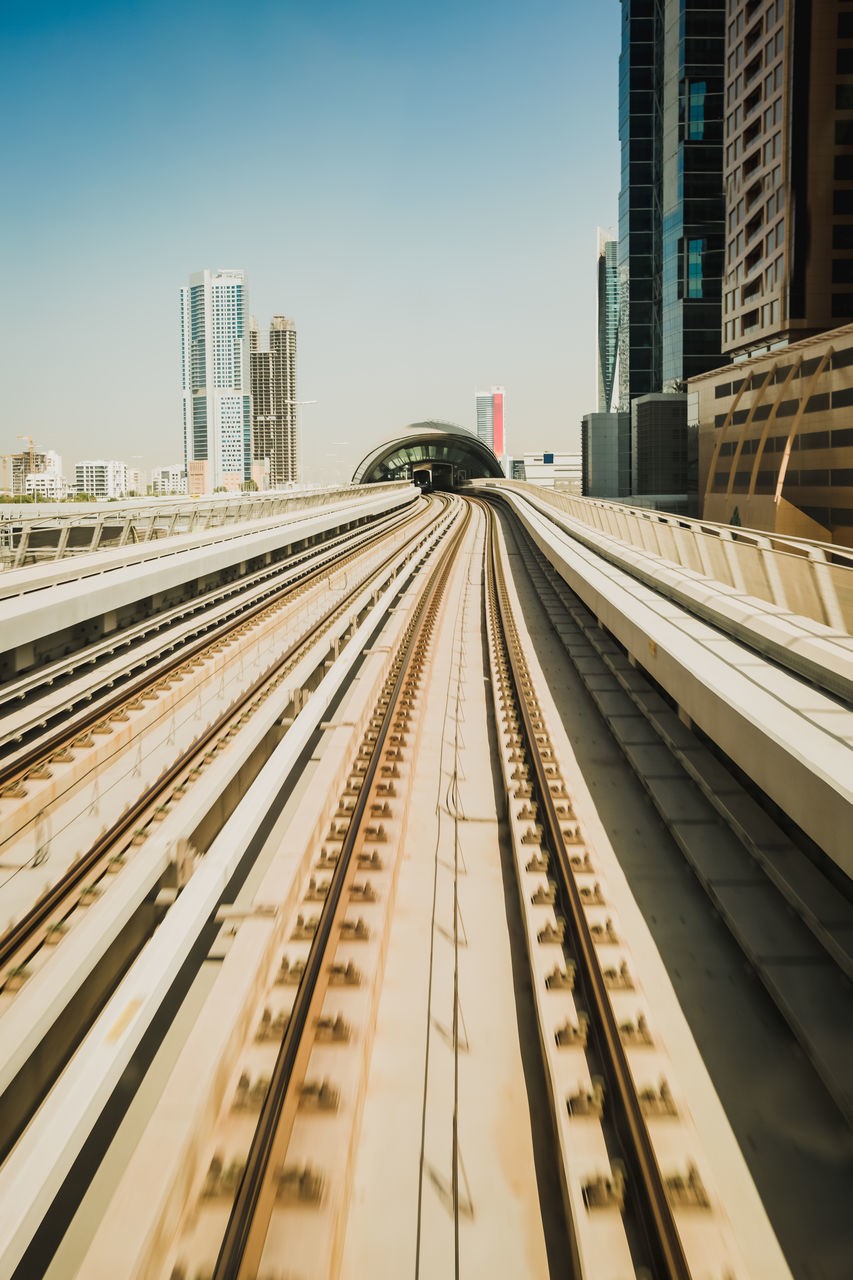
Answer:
(234, 595)
(238, 1233)
(16, 770)
(645, 1181)
(23, 931)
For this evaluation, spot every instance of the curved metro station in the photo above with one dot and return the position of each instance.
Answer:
(434, 455)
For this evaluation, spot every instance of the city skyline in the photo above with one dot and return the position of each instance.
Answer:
(408, 278)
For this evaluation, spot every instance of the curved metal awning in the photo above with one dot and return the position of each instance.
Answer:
(428, 443)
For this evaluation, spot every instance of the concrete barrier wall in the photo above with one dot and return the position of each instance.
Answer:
(792, 740)
(812, 579)
(42, 600)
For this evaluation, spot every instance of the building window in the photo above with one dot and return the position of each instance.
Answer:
(842, 305)
(696, 92)
(695, 250)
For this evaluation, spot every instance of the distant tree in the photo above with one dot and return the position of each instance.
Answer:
(220, 488)
(249, 486)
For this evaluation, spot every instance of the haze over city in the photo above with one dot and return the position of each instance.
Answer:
(418, 187)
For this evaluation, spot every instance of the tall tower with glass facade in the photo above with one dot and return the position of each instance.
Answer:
(608, 319)
(490, 419)
(671, 202)
(215, 378)
(275, 433)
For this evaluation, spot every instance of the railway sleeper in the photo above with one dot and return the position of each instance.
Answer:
(657, 1102)
(290, 972)
(333, 1030)
(545, 895)
(573, 1035)
(686, 1191)
(320, 1095)
(272, 1027)
(561, 979)
(354, 930)
(344, 975)
(304, 929)
(222, 1179)
(588, 1104)
(601, 1192)
(249, 1094)
(553, 932)
(636, 1034)
(618, 979)
(604, 934)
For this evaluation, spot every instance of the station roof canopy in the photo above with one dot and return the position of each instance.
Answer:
(444, 444)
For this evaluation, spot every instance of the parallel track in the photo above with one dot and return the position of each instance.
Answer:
(242, 1244)
(645, 1183)
(19, 942)
(13, 773)
(815, 915)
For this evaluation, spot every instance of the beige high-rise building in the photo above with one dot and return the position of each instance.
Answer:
(788, 169)
(275, 431)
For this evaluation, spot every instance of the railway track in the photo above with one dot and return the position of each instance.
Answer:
(259, 599)
(791, 922)
(21, 941)
(536, 782)
(263, 1171)
(384, 746)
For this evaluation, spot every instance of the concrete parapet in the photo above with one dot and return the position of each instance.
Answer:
(85, 593)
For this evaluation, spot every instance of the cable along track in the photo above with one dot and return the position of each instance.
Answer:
(20, 942)
(242, 1246)
(554, 845)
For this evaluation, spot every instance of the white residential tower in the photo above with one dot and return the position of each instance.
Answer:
(215, 378)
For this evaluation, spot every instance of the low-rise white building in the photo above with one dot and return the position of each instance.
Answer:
(561, 471)
(49, 485)
(104, 479)
(165, 480)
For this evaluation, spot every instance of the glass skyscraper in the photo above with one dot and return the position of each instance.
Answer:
(215, 377)
(608, 319)
(671, 202)
(490, 419)
(693, 193)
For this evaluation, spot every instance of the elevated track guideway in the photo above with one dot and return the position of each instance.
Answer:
(370, 910)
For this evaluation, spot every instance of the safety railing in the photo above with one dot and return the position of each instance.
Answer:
(29, 537)
(812, 579)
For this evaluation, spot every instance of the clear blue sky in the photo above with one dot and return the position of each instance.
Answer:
(418, 185)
